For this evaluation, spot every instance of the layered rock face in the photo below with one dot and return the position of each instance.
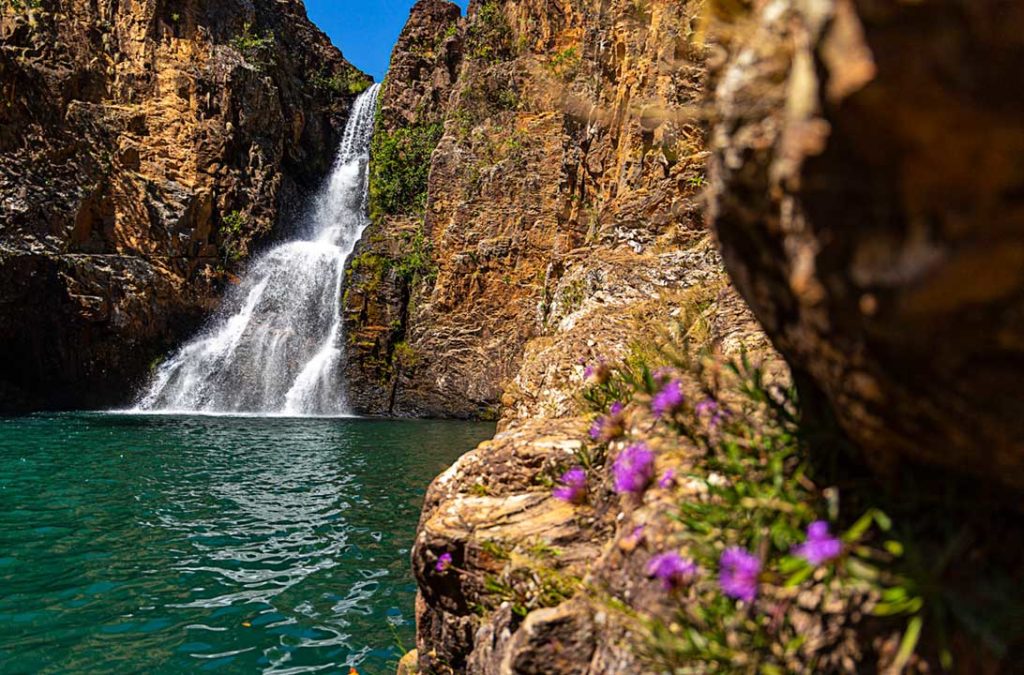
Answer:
(567, 159)
(145, 149)
(391, 269)
(559, 222)
(867, 197)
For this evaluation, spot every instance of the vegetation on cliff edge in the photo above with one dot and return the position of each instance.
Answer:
(399, 168)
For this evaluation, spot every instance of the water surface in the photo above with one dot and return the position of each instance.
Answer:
(233, 544)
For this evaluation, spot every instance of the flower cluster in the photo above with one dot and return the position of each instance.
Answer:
(633, 469)
(710, 412)
(668, 400)
(740, 570)
(820, 546)
(444, 561)
(736, 451)
(738, 573)
(573, 488)
(672, 570)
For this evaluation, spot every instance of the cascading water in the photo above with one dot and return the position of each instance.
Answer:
(276, 343)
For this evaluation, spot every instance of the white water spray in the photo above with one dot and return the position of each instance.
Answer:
(275, 345)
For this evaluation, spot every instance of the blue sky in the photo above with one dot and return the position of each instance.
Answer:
(364, 30)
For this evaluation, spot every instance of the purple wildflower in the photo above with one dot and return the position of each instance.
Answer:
(672, 570)
(444, 561)
(819, 546)
(709, 409)
(634, 469)
(574, 486)
(608, 427)
(738, 574)
(668, 479)
(668, 400)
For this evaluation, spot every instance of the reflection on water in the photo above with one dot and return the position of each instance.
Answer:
(181, 543)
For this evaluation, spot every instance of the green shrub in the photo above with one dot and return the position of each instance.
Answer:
(340, 84)
(565, 63)
(255, 47)
(399, 168)
(232, 225)
(234, 222)
(743, 452)
(489, 33)
(416, 261)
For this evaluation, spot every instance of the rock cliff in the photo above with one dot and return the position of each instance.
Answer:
(868, 206)
(559, 223)
(146, 149)
(564, 160)
(541, 218)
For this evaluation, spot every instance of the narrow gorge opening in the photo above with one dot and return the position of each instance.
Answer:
(275, 345)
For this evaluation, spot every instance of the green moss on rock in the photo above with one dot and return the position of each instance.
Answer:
(399, 168)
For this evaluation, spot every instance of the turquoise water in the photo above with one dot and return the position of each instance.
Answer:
(187, 544)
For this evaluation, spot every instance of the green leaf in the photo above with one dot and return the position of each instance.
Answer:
(894, 547)
(908, 644)
(861, 570)
(883, 520)
(799, 577)
(858, 529)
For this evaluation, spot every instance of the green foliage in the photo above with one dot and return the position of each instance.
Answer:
(404, 356)
(234, 222)
(565, 63)
(340, 84)
(429, 51)
(530, 585)
(697, 181)
(416, 261)
(412, 262)
(232, 226)
(489, 35)
(399, 168)
(256, 47)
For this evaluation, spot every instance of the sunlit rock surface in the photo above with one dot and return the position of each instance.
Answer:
(867, 198)
(144, 150)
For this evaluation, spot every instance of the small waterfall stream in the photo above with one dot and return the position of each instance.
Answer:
(275, 345)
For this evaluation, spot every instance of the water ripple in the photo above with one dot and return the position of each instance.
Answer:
(174, 544)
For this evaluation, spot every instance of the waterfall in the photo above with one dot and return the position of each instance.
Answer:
(276, 343)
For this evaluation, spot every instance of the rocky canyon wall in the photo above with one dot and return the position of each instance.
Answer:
(867, 198)
(551, 214)
(565, 157)
(146, 148)
(540, 209)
